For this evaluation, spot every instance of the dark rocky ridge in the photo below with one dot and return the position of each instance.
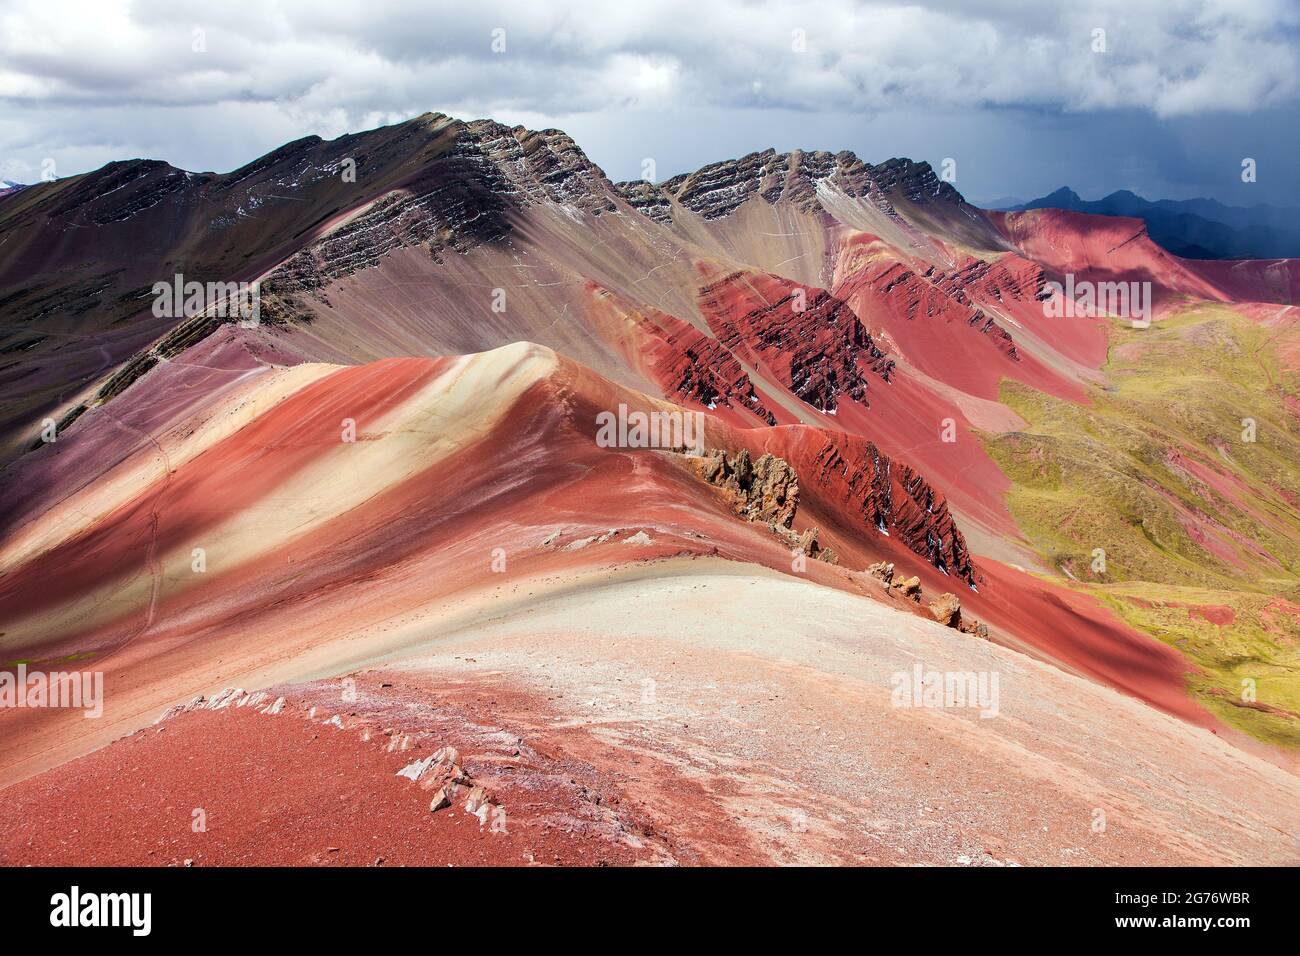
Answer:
(891, 497)
(458, 200)
(719, 189)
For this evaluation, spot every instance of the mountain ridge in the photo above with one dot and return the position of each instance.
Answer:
(864, 323)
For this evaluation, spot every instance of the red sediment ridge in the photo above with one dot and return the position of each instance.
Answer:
(690, 367)
(874, 496)
(1108, 248)
(315, 782)
(224, 480)
(936, 321)
(809, 340)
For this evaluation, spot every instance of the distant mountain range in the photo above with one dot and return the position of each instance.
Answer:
(1193, 228)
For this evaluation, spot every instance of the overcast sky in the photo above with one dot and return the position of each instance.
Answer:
(1165, 98)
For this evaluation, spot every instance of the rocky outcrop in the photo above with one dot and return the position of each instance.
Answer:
(892, 498)
(458, 200)
(120, 190)
(646, 198)
(442, 773)
(909, 588)
(230, 697)
(916, 181)
(883, 572)
(851, 475)
(686, 363)
(979, 281)
(946, 610)
(765, 490)
(701, 370)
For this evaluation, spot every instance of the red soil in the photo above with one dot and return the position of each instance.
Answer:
(292, 790)
(1218, 614)
(1101, 248)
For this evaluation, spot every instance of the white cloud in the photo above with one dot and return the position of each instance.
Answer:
(84, 77)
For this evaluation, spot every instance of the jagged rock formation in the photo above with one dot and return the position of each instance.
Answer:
(946, 608)
(909, 588)
(765, 490)
(893, 499)
(230, 697)
(646, 198)
(442, 773)
(933, 293)
(687, 364)
(122, 190)
(811, 339)
(703, 371)
(459, 200)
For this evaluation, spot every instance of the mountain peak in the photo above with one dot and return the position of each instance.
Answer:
(1063, 198)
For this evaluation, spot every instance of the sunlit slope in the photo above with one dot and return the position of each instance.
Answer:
(1171, 495)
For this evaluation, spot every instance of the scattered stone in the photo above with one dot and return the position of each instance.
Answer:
(882, 571)
(226, 698)
(398, 742)
(581, 543)
(445, 795)
(230, 697)
(640, 538)
(947, 610)
(908, 588)
(414, 771)
(478, 804)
